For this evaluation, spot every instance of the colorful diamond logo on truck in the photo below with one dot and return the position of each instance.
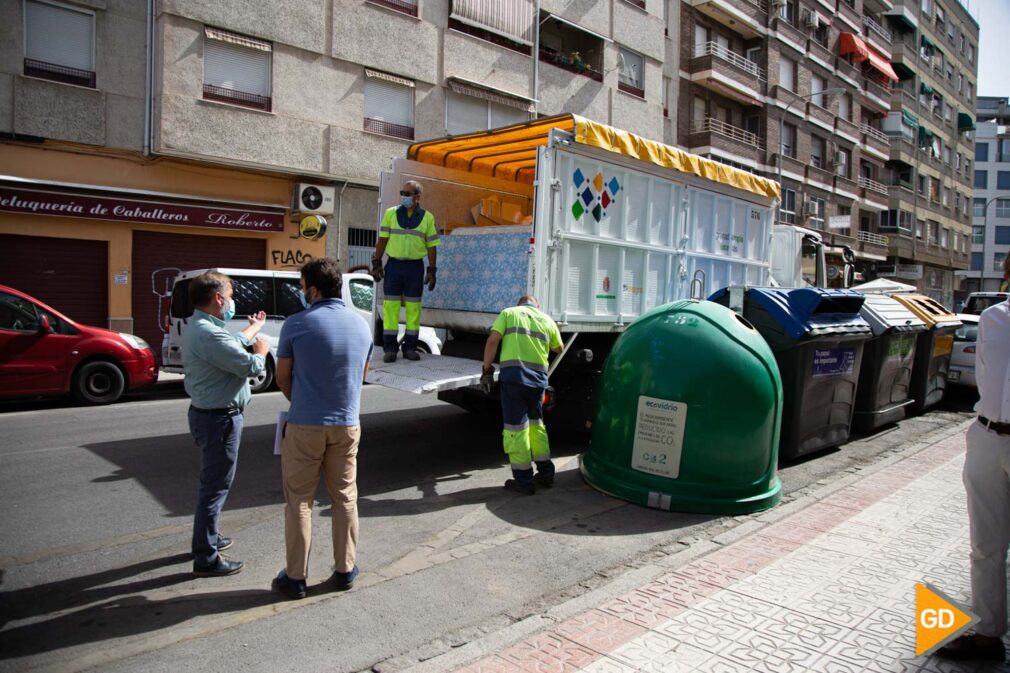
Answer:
(593, 196)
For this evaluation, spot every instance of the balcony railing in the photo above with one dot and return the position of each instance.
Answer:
(59, 73)
(713, 125)
(876, 134)
(721, 52)
(872, 26)
(389, 129)
(872, 185)
(235, 97)
(870, 237)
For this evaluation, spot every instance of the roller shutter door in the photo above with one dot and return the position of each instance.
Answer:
(158, 257)
(70, 275)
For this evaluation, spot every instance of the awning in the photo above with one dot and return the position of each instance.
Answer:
(965, 122)
(925, 135)
(513, 19)
(732, 93)
(385, 76)
(477, 90)
(881, 64)
(927, 44)
(904, 72)
(850, 43)
(909, 119)
(510, 153)
(240, 40)
(925, 88)
(576, 26)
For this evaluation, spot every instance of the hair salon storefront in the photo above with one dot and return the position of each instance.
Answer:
(101, 238)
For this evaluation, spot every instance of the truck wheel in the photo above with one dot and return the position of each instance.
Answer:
(98, 382)
(262, 382)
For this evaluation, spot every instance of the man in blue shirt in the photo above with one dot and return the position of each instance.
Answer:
(218, 368)
(322, 359)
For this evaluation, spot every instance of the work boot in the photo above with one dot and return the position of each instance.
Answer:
(545, 473)
(389, 357)
(411, 355)
(973, 646)
(522, 482)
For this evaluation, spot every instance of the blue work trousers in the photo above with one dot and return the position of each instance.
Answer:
(404, 278)
(218, 436)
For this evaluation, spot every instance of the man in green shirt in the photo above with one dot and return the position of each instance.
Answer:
(527, 336)
(407, 234)
(217, 368)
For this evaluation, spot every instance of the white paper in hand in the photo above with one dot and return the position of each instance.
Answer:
(282, 418)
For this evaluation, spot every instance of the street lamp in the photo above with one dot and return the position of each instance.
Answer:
(782, 117)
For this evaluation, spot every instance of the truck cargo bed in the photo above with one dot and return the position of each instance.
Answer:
(430, 374)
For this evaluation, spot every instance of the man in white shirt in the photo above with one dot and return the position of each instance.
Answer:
(987, 483)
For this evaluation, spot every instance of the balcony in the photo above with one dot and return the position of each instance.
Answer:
(848, 71)
(727, 73)
(845, 184)
(846, 128)
(819, 175)
(820, 52)
(849, 15)
(746, 17)
(711, 132)
(873, 192)
(820, 114)
(872, 243)
(877, 34)
(876, 142)
(877, 95)
(789, 163)
(790, 32)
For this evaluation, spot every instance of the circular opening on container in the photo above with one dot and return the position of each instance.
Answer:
(744, 322)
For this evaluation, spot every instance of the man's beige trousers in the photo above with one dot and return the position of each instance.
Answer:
(308, 450)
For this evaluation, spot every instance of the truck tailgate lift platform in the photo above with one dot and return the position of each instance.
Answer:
(430, 374)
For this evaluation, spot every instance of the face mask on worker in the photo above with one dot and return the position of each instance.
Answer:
(229, 312)
(407, 201)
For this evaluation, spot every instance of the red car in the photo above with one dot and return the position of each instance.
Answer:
(43, 352)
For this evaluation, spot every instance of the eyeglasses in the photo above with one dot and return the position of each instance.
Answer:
(403, 193)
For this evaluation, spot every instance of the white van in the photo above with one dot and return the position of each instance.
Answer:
(276, 293)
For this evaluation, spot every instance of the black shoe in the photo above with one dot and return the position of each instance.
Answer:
(344, 581)
(973, 646)
(293, 589)
(411, 355)
(220, 569)
(543, 480)
(223, 542)
(522, 489)
(389, 357)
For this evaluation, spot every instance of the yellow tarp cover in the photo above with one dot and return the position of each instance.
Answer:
(510, 153)
(926, 309)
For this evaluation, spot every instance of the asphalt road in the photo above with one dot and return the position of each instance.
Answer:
(97, 506)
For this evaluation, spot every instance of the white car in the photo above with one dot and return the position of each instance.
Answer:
(275, 292)
(962, 358)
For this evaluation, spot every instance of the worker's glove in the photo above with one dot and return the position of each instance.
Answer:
(429, 278)
(487, 381)
(377, 269)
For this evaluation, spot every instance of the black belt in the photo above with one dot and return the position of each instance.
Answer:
(228, 411)
(998, 428)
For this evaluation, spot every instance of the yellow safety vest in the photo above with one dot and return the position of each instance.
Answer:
(406, 241)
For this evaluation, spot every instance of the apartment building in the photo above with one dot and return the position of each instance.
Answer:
(797, 90)
(140, 138)
(990, 241)
(931, 125)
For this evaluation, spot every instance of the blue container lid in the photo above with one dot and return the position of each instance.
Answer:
(809, 311)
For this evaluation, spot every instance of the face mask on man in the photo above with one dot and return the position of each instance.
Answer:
(229, 312)
(305, 300)
(407, 201)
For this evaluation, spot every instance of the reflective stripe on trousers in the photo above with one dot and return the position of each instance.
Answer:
(524, 435)
(404, 281)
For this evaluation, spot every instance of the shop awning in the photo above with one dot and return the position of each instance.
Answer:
(909, 119)
(904, 72)
(850, 43)
(965, 122)
(510, 153)
(925, 88)
(881, 64)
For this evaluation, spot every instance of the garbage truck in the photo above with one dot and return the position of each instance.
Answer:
(599, 224)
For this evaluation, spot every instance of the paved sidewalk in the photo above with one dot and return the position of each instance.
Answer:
(829, 588)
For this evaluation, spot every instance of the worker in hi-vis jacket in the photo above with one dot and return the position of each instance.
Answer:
(407, 234)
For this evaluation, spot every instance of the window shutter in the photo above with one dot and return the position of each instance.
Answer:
(465, 114)
(231, 66)
(389, 102)
(509, 18)
(504, 115)
(59, 36)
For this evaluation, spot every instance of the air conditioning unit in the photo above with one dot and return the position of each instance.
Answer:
(314, 199)
(810, 19)
(810, 207)
(839, 159)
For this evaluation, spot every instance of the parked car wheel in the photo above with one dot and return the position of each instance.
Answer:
(98, 382)
(262, 383)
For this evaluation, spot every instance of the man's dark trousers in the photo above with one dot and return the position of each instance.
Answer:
(217, 434)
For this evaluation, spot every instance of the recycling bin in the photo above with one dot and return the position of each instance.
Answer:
(817, 336)
(688, 412)
(888, 357)
(932, 350)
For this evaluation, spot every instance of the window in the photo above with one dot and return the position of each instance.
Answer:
(17, 314)
(971, 53)
(896, 220)
(981, 179)
(817, 212)
(978, 208)
(922, 184)
(236, 69)
(843, 159)
(362, 293)
(920, 226)
(943, 238)
(700, 39)
(945, 196)
(787, 211)
(821, 34)
(789, 140)
(926, 6)
(934, 231)
(976, 261)
(817, 149)
(817, 85)
(957, 162)
(59, 43)
(630, 72)
(286, 293)
(960, 82)
(567, 47)
(1003, 180)
(951, 31)
(252, 294)
(946, 154)
(997, 261)
(845, 106)
(788, 11)
(1002, 207)
(465, 113)
(977, 233)
(1002, 235)
(389, 105)
(1003, 151)
(934, 190)
(961, 42)
(698, 111)
(787, 73)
